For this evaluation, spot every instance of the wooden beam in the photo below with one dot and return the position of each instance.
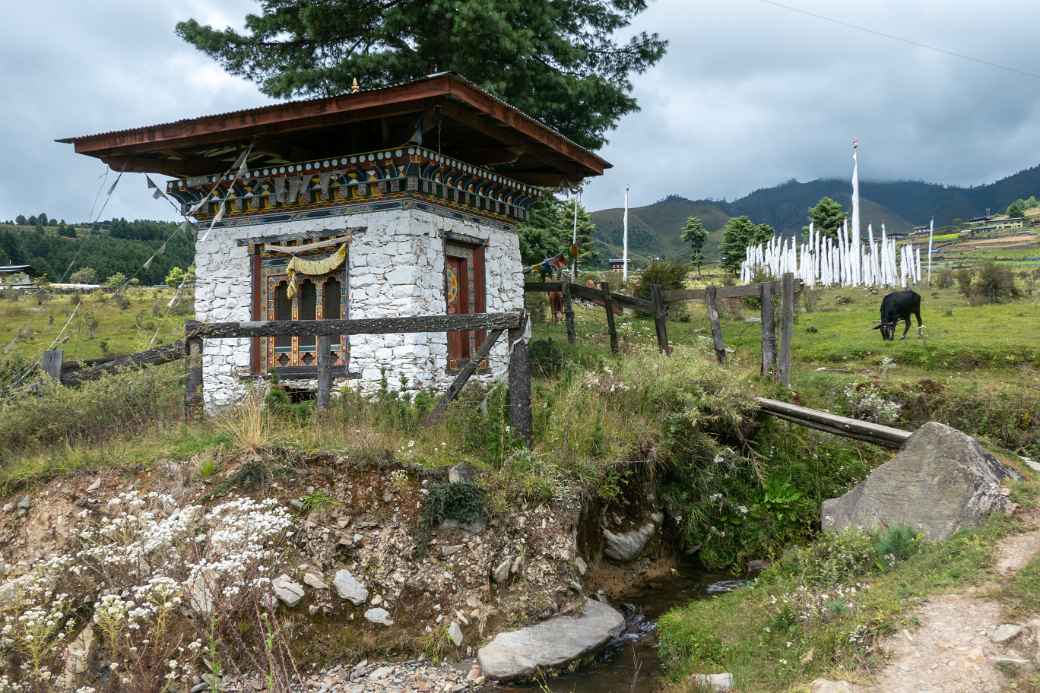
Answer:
(608, 303)
(710, 295)
(305, 328)
(867, 431)
(193, 383)
(324, 372)
(151, 357)
(520, 385)
(568, 312)
(660, 319)
(786, 328)
(50, 362)
(462, 378)
(768, 330)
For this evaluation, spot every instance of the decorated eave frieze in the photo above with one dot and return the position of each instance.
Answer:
(387, 174)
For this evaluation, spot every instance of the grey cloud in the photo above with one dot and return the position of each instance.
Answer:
(749, 95)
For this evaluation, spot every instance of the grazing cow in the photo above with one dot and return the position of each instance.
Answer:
(555, 305)
(896, 306)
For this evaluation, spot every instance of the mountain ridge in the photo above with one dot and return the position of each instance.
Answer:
(900, 205)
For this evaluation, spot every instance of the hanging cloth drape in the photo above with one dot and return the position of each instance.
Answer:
(313, 267)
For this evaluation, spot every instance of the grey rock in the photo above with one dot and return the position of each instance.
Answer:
(95, 485)
(455, 634)
(626, 546)
(24, 503)
(288, 591)
(757, 565)
(451, 550)
(580, 564)
(1031, 463)
(1014, 663)
(461, 474)
(941, 481)
(501, 572)
(551, 643)
(380, 616)
(8, 507)
(315, 580)
(1005, 632)
(77, 656)
(347, 587)
(200, 596)
(518, 563)
(718, 682)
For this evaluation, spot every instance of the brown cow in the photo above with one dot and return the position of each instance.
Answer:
(555, 305)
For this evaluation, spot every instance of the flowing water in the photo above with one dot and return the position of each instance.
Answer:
(630, 663)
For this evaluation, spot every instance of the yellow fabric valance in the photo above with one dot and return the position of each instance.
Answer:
(314, 267)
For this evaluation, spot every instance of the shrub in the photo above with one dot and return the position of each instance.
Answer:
(994, 284)
(668, 274)
(84, 275)
(95, 411)
(546, 357)
(945, 279)
(964, 277)
(115, 281)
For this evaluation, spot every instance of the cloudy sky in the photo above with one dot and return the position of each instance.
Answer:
(749, 95)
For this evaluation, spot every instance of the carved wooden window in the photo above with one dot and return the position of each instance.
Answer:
(317, 297)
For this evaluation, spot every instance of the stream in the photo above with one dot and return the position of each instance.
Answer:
(630, 664)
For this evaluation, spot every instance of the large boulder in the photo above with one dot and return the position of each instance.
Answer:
(550, 644)
(939, 482)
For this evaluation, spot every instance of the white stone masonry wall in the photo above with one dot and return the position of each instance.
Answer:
(396, 268)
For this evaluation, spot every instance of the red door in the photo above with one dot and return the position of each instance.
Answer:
(456, 287)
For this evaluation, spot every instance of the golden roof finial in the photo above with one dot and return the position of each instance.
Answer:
(355, 88)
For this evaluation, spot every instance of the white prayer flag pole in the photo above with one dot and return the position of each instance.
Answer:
(574, 238)
(931, 231)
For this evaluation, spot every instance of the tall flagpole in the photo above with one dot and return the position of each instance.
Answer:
(574, 237)
(624, 241)
(931, 230)
(855, 196)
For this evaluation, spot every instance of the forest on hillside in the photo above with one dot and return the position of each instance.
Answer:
(59, 250)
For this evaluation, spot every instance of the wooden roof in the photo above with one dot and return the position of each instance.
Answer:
(444, 112)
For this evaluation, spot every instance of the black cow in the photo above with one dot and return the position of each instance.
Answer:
(899, 305)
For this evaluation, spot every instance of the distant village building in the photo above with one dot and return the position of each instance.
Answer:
(617, 264)
(16, 276)
(388, 202)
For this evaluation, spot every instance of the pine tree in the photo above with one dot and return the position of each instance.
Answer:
(696, 235)
(827, 217)
(737, 235)
(558, 60)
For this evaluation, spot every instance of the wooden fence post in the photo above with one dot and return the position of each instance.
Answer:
(765, 295)
(786, 328)
(608, 303)
(193, 393)
(51, 363)
(324, 372)
(568, 311)
(520, 384)
(710, 295)
(460, 380)
(660, 319)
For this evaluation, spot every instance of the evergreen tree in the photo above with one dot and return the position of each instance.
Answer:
(549, 229)
(696, 235)
(827, 217)
(737, 235)
(558, 60)
(21, 220)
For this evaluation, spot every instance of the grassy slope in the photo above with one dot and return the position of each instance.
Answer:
(28, 327)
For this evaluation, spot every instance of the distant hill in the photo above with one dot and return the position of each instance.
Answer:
(900, 205)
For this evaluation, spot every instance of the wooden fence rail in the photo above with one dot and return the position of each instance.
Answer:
(776, 362)
(495, 323)
(74, 372)
(878, 434)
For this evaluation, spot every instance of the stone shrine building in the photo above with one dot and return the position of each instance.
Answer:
(390, 202)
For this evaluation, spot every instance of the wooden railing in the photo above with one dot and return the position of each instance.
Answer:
(776, 359)
(495, 324)
(878, 434)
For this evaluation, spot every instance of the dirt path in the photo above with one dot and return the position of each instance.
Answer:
(953, 650)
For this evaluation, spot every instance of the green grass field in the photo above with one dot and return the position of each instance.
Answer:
(100, 327)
